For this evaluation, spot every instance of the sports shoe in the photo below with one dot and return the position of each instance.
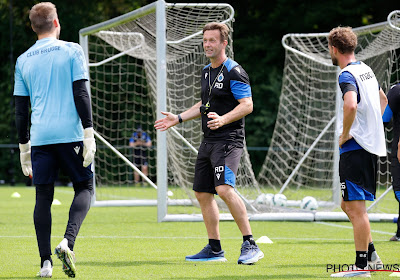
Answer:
(67, 258)
(353, 271)
(375, 262)
(46, 271)
(207, 255)
(249, 253)
(394, 238)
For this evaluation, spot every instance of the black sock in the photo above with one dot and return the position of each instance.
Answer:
(371, 249)
(215, 244)
(45, 258)
(71, 245)
(249, 238)
(361, 259)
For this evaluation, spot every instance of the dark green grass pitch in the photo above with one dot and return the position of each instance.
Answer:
(128, 243)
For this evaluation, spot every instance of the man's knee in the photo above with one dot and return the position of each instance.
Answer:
(203, 196)
(45, 192)
(354, 209)
(343, 206)
(226, 192)
(84, 185)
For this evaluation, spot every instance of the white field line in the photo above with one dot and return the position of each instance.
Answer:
(181, 237)
(350, 227)
(102, 195)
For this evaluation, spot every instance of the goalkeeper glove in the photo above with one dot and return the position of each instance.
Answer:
(25, 158)
(89, 146)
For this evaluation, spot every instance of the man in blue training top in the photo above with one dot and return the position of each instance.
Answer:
(51, 76)
(225, 100)
(361, 141)
(393, 110)
(141, 142)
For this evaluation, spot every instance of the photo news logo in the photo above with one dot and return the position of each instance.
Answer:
(333, 268)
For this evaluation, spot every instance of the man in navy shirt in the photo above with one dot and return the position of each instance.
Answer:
(225, 100)
(393, 110)
(141, 142)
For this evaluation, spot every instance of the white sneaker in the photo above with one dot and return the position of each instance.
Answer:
(394, 238)
(46, 271)
(376, 262)
(67, 257)
(353, 271)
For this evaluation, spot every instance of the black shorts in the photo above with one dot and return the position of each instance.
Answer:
(140, 156)
(139, 161)
(217, 164)
(357, 172)
(48, 159)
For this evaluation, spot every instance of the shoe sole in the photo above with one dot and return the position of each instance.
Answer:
(68, 268)
(375, 265)
(254, 259)
(207, 260)
(49, 274)
(352, 274)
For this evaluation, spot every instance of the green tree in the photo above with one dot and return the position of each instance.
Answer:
(259, 27)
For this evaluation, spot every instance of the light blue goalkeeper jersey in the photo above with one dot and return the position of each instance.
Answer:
(45, 73)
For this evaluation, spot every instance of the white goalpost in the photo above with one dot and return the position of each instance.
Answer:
(150, 60)
(303, 157)
(142, 63)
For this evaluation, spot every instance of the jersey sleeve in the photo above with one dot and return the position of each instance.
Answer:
(239, 82)
(82, 103)
(20, 88)
(133, 138)
(387, 115)
(79, 67)
(347, 83)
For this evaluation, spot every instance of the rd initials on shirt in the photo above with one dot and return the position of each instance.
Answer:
(218, 85)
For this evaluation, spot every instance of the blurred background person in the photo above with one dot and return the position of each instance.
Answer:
(141, 142)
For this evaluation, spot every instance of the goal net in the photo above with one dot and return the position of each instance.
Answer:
(303, 156)
(124, 65)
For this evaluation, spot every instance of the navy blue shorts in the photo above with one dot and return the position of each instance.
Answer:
(216, 164)
(357, 172)
(47, 160)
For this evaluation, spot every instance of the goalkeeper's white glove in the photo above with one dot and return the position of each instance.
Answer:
(25, 158)
(89, 146)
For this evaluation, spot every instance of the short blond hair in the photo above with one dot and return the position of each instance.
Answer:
(222, 27)
(41, 16)
(343, 38)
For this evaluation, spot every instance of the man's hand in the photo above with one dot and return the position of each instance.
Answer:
(216, 121)
(343, 139)
(25, 158)
(167, 122)
(89, 146)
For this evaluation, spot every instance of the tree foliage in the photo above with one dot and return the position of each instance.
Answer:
(259, 27)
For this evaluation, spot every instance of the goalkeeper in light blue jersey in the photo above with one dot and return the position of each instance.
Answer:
(51, 77)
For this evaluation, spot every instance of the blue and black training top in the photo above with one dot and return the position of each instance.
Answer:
(229, 82)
